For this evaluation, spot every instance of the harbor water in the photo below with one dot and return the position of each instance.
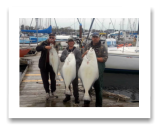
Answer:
(22, 69)
(122, 83)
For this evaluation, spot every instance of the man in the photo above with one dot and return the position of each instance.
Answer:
(102, 55)
(45, 67)
(78, 58)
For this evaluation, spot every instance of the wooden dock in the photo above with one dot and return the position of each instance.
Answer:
(32, 93)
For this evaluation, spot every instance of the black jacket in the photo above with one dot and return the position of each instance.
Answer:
(44, 51)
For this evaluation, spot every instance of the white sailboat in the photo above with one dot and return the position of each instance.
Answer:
(123, 59)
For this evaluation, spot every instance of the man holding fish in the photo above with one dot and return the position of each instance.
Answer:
(101, 58)
(72, 60)
(45, 65)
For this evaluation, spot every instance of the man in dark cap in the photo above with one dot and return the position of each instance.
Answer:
(102, 55)
(78, 58)
(45, 67)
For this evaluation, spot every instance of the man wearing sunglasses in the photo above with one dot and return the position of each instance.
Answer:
(78, 59)
(102, 55)
(45, 67)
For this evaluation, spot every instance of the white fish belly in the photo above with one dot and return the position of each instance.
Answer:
(69, 73)
(88, 74)
(54, 60)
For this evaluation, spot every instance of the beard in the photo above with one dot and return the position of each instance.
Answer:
(51, 41)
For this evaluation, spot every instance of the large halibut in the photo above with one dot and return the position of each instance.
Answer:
(88, 72)
(68, 72)
(54, 60)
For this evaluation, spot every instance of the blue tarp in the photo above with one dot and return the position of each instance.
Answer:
(33, 40)
(48, 30)
(116, 34)
(133, 33)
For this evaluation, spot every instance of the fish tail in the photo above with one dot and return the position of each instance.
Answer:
(86, 96)
(67, 91)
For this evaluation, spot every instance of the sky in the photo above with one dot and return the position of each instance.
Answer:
(99, 23)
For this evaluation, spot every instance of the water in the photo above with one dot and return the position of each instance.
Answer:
(22, 68)
(122, 83)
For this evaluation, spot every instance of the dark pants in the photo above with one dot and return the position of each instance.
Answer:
(98, 86)
(45, 78)
(75, 86)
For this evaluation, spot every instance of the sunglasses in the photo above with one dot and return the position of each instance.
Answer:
(52, 37)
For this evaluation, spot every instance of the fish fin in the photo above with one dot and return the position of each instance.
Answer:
(67, 91)
(85, 58)
(87, 98)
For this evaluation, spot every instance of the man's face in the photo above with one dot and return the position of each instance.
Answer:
(51, 39)
(95, 39)
(71, 43)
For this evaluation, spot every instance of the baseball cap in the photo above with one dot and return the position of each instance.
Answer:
(70, 39)
(95, 34)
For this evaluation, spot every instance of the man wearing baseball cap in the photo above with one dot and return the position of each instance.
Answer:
(78, 58)
(102, 55)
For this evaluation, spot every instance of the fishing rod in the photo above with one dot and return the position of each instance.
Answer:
(90, 29)
(79, 22)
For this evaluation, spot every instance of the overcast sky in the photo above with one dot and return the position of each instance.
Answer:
(99, 23)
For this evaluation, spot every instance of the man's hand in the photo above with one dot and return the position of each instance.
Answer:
(48, 47)
(100, 59)
(85, 53)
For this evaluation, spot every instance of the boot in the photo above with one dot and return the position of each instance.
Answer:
(76, 100)
(67, 98)
(86, 104)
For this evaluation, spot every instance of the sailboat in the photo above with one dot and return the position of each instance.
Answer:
(124, 59)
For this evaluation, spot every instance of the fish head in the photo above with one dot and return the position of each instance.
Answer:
(90, 53)
(51, 45)
(69, 57)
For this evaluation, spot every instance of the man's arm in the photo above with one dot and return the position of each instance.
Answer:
(40, 47)
(84, 51)
(104, 55)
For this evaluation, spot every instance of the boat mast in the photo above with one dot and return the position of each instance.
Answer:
(80, 29)
(56, 26)
(37, 29)
(113, 25)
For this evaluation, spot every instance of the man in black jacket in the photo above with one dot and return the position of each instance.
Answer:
(45, 67)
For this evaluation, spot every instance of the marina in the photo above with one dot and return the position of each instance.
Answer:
(121, 73)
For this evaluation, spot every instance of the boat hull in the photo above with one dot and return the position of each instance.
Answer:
(24, 51)
(122, 62)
